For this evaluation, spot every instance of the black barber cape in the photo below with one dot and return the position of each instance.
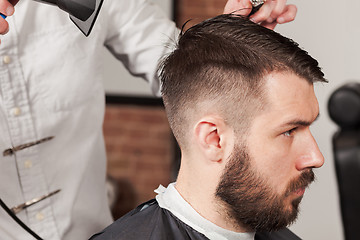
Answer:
(151, 222)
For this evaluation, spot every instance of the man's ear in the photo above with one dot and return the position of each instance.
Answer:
(214, 137)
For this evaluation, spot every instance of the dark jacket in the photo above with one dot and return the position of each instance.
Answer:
(151, 222)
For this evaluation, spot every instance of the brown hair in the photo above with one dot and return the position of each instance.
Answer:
(223, 61)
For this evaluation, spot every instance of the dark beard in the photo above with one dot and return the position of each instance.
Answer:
(251, 202)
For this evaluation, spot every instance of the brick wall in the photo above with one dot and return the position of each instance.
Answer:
(197, 10)
(139, 147)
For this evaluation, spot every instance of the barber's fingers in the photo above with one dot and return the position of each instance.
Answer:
(4, 26)
(274, 12)
(241, 7)
(278, 9)
(7, 9)
(269, 15)
(265, 11)
(288, 14)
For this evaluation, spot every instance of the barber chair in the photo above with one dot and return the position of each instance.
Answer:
(344, 110)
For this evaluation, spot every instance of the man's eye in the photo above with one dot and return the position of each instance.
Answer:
(289, 133)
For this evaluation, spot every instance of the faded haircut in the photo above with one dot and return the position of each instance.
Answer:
(220, 64)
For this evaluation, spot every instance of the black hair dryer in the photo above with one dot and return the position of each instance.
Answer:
(82, 12)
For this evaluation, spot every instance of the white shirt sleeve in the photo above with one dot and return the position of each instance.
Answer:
(139, 36)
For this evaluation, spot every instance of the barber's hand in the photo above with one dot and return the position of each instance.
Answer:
(269, 15)
(7, 9)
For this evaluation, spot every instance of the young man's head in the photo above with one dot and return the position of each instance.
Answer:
(240, 101)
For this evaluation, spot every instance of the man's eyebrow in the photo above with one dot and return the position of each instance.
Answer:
(300, 122)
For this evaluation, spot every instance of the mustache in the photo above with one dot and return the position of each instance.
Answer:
(305, 179)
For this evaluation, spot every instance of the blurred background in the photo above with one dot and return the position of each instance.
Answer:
(142, 152)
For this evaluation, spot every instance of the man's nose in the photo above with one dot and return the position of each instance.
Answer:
(310, 157)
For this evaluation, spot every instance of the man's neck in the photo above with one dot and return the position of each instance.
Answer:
(199, 193)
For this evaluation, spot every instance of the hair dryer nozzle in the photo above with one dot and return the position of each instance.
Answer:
(82, 12)
(87, 25)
